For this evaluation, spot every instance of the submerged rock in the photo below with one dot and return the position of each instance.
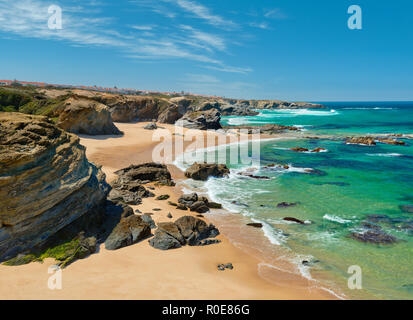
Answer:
(202, 171)
(300, 149)
(255, 225)
(375, 236)
(286, 204)
(406, 208)
(291, 219)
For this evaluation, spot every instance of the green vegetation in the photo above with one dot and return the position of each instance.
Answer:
(28, 100)
(64, 251)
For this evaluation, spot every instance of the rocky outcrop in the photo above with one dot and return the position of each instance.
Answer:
(145, 172)
(170, 115)
(151, 126)
(392, 141)
(265, 129)
(292, 219)
(196, 203)
(286, 204)
(128, 187)
(129, 230)
(202, 171)
(277, 104)
(408, 208)
(46, 182)
(85, 116)
(186, 230)
(135, 108)
(201, 120)
(373, 234)
(366, 141)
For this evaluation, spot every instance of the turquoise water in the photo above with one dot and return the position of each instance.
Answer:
(352, 184)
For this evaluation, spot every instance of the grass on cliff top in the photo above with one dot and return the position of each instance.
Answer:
(28, 100)
(62, 252)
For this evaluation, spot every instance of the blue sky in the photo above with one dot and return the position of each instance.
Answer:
(286, 49)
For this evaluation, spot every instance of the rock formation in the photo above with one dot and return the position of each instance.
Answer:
(201, 120)
(265, 129)
(186, 230)
(368, 141)
(128, 231)
(46, 182)
(202, 171)
(85, 116)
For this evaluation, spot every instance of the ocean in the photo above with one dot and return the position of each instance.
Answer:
(354, 187)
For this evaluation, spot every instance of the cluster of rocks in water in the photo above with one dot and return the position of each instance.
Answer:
(301, 149)
(372, 141)
(262, 129)
(202, 171)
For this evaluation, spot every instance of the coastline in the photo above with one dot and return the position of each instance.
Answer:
(142, 272)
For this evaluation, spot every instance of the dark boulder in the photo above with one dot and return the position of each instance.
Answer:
(375, 236)
(164, 241)
(148, 219)
(255, 225)
(199, 207)
(408, 208)
(188, 199)
(202, 171)
(194, 230)
(153, 172)
(286, 204)
(291, 219)
(151, 126)
(163, 197)
(128, 231)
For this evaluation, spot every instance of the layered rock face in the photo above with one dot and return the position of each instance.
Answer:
(135, 108)
(46, 182)
(84, 116)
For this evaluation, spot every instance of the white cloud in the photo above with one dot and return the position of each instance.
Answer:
(225, 68)
(82, 27)
(205, 39)
(202, 12)
(142, 28)
(274, 13)
(261, 25)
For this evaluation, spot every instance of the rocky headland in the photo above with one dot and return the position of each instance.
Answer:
(46, 182)
(93, 112)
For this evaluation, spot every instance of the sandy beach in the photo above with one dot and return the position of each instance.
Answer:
(142, 272)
